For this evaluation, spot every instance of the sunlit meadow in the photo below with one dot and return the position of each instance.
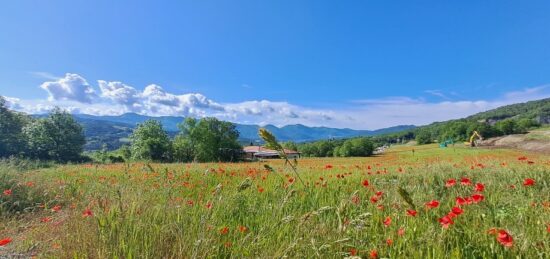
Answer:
(431, 203)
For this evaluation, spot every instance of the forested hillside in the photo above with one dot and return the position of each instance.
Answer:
(510, 119)
(505, 120)
(537, 110)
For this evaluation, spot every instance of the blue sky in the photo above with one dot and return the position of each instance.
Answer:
(360, 64)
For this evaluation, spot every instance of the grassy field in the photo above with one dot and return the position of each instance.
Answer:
(344, 207)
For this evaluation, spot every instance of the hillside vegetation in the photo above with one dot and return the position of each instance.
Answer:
(113, 131)
(505, 120)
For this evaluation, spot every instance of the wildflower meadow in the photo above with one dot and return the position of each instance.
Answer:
(434, 202)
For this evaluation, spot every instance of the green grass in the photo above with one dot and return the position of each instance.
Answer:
(542, 134)
(163, 211)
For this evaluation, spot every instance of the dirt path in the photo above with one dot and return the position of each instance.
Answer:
(535, 141)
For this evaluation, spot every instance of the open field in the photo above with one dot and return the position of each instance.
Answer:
(348, 206)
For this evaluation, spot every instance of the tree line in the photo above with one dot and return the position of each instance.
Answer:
(455, 130)
(59, 137)
(353, 147)
(461, 130)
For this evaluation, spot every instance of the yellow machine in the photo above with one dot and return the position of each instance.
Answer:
(475, 136)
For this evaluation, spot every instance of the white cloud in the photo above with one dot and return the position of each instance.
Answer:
(528, 94)
(72, 87)
(73, 93)
(118, 92)
(13, 103)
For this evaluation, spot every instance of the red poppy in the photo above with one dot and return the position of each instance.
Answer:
(450, 183)
(290, 180)
(5, 241)
(260, 189)
(465, 181)
(56, 208)
(389, 241)
(329, 166)
(46, 220)
(373, 254)
(366, 183)
(548, 228)
(353, 252)
(460, 201)
(455, 211)
(445, 221)
(401, 231)
(522, 158)
(243, 229)
(87, 213)
(478, 197)
(224, 230)
(7, 192)
(411, 213)
(528, 182)
(374, 199)
(480, 187)
(504, 238)
(432, 204)
(387, 221)
(379, 193)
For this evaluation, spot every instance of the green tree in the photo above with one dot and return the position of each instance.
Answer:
(184, 150)
(423, 137)
(58, 137)
(208, 139)
(290, 145)
(356, 147)
(307, 149)
(507, 126)
(125, 152)
(12, 140)
(151, 142)
(525, 124)
(362, 147)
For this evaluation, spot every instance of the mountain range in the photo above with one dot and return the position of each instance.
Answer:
(113, 131)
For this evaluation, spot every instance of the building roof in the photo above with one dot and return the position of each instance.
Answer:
(263, 150)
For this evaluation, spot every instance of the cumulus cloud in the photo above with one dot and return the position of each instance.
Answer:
(71, 87)
(158, 101)
(118, 92)
(72, 92)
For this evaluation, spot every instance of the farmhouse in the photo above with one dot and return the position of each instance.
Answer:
(255, 152)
